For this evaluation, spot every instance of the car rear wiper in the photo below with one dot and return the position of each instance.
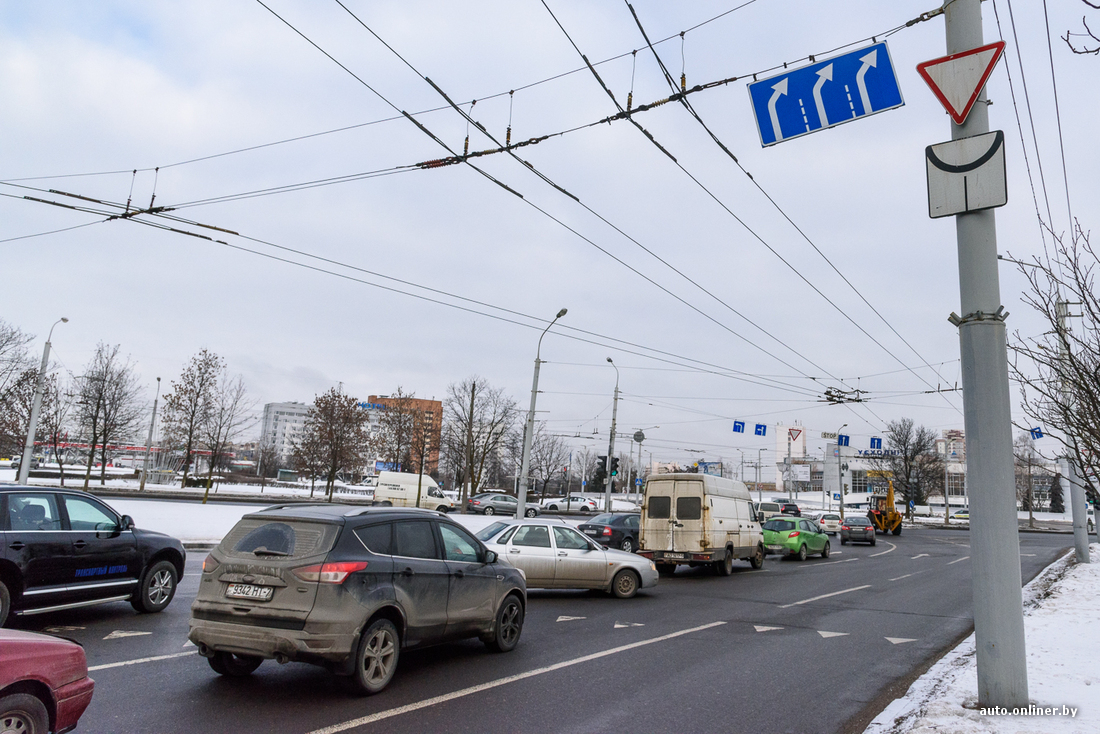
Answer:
(264, 551)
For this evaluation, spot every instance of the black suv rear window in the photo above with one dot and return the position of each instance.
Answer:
(278, 538)
(377, 538)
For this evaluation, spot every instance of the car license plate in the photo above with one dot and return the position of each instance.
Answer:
(250, 591)
(775, 547)
(589, 532)
(677, 556)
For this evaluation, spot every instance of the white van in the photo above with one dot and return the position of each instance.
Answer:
(395, 489)
(698, 520)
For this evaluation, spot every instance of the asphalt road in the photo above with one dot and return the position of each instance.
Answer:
(818, 646)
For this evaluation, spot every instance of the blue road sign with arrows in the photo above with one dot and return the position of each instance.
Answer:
(825, 94)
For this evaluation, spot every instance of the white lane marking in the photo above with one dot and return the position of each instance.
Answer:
(119, 634)
(827, 635)
(899, 578)
(1028, 554)
(892, 549)
(829, 563)
(141, 660)
(919, 555)
(957, 560)
(353, 723)
(564, 618)
(620, 625)
(900, 640)
(55, 630)
(825, 596)
(762, 628)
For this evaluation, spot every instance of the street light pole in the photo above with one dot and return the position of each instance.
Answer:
(839, 474)
(36, 406)
(611, 446)
(521, 490)
(149, 439)
(759, 492)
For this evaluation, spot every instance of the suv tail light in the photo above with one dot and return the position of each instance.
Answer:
(795, 534)
(329, 573)
(209, 564)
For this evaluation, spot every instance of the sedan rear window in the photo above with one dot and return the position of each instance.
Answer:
(278, 538)
(858, 521)
(779, 526)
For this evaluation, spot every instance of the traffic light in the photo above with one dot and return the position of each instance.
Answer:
(600, 477)
(614, 466)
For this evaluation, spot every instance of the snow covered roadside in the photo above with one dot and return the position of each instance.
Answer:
(1063, 678)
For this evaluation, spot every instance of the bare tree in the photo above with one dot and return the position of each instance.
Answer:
(339, 426)
(188, 405)
(228, 417)
(1059, 371)
(15, 411)
(478, 418)
(1068, 38)
(398, 423)
(549, 455)
(57, 404)
(110, 406)
(307, 456)
(911, 459)
(14, 357)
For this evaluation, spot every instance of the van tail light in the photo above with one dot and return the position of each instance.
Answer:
(795, 534)
(329, 573)
(606, 530)
(209, 564)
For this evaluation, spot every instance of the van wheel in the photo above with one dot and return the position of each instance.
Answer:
(232, 665)
(825, 550)
(724, 567)
(802, 552)
(376, 658)
(757, 558)
(441, 508)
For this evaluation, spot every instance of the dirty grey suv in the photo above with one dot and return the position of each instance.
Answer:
(349, 588)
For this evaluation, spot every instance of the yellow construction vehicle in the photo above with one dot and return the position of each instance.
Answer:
(883, 514)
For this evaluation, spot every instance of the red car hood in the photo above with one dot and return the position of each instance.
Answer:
(30, 656)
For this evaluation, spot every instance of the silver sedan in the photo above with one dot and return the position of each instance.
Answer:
(554, 555)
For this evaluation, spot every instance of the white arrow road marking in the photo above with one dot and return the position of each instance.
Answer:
(823, 75)
(920, 555)
(105, 666)
(564, 618)
(762, 628)
(825, 596)
(869, 60)
(892, 549)
(620, 625)
(416, 706)
(119, 634)
(957, 560)
(189, 644)
(900, 640)
(780, 90)
(827, 635)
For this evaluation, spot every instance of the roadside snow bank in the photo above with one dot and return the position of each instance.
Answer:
(1063, 679)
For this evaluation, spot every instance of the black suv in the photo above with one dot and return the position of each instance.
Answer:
(63, 549)
(790, 509)
(348, 588)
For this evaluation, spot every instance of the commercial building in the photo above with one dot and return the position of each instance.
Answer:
(281, 425)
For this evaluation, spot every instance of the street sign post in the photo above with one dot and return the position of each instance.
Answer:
(825, 94)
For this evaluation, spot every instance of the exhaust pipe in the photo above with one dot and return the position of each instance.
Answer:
(281, 658)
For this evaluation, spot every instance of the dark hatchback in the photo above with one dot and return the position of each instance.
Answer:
(349, 588)
(857, 529)
(614, 529)
(64, 549)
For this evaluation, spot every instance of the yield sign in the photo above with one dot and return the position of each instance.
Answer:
(794, 433)
(958, 79)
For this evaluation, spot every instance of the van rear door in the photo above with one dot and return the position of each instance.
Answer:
(689, 528)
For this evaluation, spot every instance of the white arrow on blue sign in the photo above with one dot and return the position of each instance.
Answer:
(825, 94)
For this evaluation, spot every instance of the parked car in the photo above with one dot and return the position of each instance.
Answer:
(553, 555)
(829, 522)
(493, 503)
(795, 536)
(857, 528)
(614, 530)
(790, 509)
(961, 515)
(397, 489)
(571, 503)
(350, 587)
(64, 549)
(699, 520)
(44, 683)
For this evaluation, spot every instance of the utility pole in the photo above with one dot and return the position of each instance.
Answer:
(525, 463)
(149, 439)
(759, 492)
(787, 469)
(946, 488)
(994, 530)
(611, 446)
(36, 406)
(1076, 488)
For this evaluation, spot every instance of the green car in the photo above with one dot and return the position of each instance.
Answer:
(794, 536)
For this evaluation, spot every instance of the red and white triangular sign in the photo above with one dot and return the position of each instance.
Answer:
(958, 79)
(794, 433)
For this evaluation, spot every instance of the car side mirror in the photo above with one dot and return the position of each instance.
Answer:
(126, 523)
(490, 556)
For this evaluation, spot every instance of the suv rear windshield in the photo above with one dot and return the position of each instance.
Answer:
(779, 526)
(252, 537)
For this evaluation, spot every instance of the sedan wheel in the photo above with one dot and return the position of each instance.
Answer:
(22, 713)
(377, 656)
(627, 545)
(489, 511)
(625, 584)
(157, 588)
(530, 512)
(509, 625)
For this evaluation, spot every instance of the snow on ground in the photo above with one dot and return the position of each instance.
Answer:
(1063, 677)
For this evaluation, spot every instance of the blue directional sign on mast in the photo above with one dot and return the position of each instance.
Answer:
(825, 94)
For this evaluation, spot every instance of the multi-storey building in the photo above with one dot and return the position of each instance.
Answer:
(282, 422)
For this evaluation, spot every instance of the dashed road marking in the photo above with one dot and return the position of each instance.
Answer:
(564, 618)
(105, 666)
(762, 628)
(827, 563)
(1028, 554)
(899, 578)
(55, 630)
(900, 640)
(827, 635)
(920, 555)
(354, 723)
(892, 549)
(119, 634)
(957, 560)
(825, 596)
(620, 625)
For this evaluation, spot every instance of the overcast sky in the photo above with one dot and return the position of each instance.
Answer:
(739, 334)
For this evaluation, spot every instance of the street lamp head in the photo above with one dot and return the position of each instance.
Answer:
(609, 360)
(64, 320)
(562, 313)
